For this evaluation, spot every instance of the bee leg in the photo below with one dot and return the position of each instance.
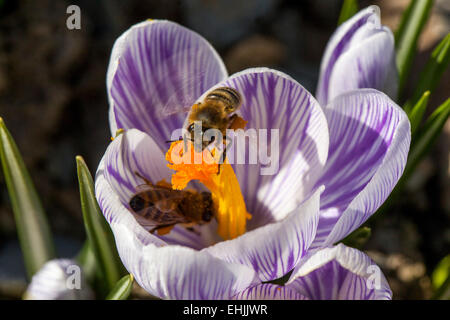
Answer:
(170, 141)
(191, 229)
(236, 122)
(229, 142)
(185, 138)
(152, 231)
(232, 118)
(143, 178)
(224, 153)
(162, 230)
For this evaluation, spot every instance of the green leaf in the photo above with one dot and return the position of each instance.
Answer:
(440, 279)
(416, 114)
(407, 35)
(122, 289)
(432, 73)
(441, 272)
(98, 231)
(32, 225)
(358, 238)
(348, 10)
(427, 136)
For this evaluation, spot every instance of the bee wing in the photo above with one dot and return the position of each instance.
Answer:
(181, 100)
(185, 90)
(143, 188)
(152, 187)
(162, 212)
(166, 205)
(145, 221)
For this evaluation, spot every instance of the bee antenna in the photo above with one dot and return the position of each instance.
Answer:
(143, 178)
(170, 141)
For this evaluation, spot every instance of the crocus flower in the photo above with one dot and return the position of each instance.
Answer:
(360, 54)
(59, 279)
(338, 163)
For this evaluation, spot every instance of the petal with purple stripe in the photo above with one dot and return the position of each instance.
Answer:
(157, 69)
(268, 291)
(285, 117)
(274, 249)
(360, 54)
(369, 144)
(168, 272)
(368, 64)
(339, 273)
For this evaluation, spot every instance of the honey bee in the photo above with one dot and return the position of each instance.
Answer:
(164, 207)
(214, 112)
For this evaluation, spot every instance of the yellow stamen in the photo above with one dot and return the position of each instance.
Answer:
(119, 131)
(230, 210)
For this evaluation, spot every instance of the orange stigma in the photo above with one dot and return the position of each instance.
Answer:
(230, 210)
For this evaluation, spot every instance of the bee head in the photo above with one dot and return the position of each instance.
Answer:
(202, 138)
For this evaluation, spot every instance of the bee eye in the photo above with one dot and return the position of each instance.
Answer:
(191, 127)
(137, 203)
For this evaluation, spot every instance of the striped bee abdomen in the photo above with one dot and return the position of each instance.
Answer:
(228, 96)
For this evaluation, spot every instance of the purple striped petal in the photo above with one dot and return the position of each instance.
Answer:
(158, 68)
(339, 273)
(274, 101)
(360, 54)
(369, 144)
(268, 291)
(59, 279)
(274, 249)
(166, 271)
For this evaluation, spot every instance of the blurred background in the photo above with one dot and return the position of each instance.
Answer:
(53, 101)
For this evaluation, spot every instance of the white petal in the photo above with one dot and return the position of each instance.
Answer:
(158, 68)
(274, 249)
(369, 144)
(360, 54)
(59, 279)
